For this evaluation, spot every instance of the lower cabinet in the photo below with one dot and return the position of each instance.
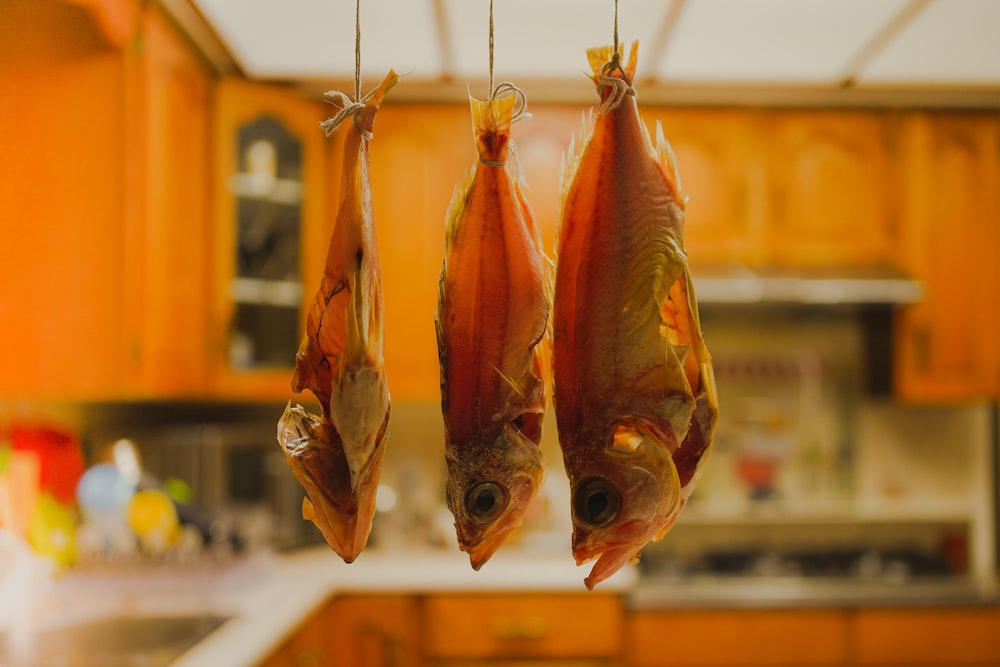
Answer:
(917, 637)
(865, 637)
(572, 630)
(720, 638)
(596, 630)
(308, 647)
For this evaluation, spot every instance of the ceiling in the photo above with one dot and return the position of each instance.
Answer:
(938, 48)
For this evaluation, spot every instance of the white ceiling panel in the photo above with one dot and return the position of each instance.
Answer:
(952, 42)
(545, 38)
(772, 41)
(315, 38)
(722, 47)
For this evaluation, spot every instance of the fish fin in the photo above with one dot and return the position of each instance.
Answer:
(682, 351)
(667, 159)
(599, 56)
(377, 96)
(494, 115)
(308, 511)
(455, 208)
(571, 158)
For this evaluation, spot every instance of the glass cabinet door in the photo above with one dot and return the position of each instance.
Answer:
(266, 287)
(269, 220)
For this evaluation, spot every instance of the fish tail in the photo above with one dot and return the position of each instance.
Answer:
(599, 56)
(491, 120)
(376, 97)
(493, 115)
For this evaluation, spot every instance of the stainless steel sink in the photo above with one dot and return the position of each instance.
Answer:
(119, 641)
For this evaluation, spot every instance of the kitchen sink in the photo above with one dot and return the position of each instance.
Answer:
(118, 641)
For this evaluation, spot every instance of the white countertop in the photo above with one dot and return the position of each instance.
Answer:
(288, 589)
(266, 597)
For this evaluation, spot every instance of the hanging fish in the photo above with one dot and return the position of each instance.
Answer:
(337, 457)
(635, 395)
(493, 309)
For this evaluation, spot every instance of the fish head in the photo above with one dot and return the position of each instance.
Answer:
(622, 499)
(489, 498)
(315, 454)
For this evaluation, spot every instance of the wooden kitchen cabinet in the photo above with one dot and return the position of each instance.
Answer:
(946, 345)
(721, 171)
(830, 191)
(927, 637)
(522, 629)
(310, 645)
(275, 195)
(722, 638)
(418, 154)
(369, 630)
(375, 631)
(168, 180)
(103, 205)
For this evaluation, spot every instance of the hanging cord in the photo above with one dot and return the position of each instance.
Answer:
(506, 87)
(620, 85)
(492, 91)
(348, 107)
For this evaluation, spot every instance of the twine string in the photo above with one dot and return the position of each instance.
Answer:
(348, 108)
(621, 84)
(506, 87)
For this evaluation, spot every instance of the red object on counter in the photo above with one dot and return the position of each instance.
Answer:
(60, 455)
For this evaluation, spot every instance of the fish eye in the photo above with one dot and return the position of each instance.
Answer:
(485, 501)
(596, 502)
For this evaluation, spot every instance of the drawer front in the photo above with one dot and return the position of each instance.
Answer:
(956, 636)
(522, 626)
(758, 638)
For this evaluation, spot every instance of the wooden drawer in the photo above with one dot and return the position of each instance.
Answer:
(522, 626)
(955, 636)
(768, 638)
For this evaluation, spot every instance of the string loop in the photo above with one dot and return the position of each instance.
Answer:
(620, 85)
(348, 108)
(520, 104)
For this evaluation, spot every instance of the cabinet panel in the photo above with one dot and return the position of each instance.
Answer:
(829, 189)
(273, 189)
(719, 638)
(418, 154)
(375, 631)
(719, 159)
(61, 216)
(310, 646)
(522, 626)
(947, 345)
(168, 236)
(927, 637)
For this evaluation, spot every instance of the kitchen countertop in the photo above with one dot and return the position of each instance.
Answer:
(799, 592)
(292, 586)
(267, 596)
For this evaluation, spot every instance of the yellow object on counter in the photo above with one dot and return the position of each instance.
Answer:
(52, 530)
(153, 517)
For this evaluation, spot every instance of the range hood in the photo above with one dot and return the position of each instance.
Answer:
(742, 285)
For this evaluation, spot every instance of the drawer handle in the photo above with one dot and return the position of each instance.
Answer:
(528, 627)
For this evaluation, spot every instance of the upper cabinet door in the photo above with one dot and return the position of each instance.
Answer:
(830, 190)
(418, 154)
(721, 172)
(947, 346)
(168, 211)
(270, 234)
